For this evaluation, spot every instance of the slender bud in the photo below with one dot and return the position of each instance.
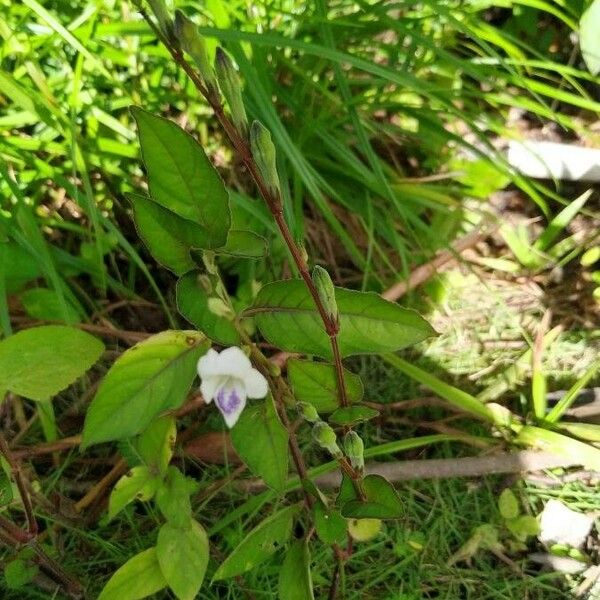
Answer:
(194, 44)
(326, 292)
(308, 412)
(354, 447)
(325, 436)
(162, 16)
(229, 82)
(263, 152)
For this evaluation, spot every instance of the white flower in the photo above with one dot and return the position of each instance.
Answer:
(229, 378)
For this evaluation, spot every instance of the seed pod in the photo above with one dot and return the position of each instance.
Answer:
(194, 44)
(308, 412)
(326, 292)
(325, 436)
(229, 82)
(354, 447)
(263, 152)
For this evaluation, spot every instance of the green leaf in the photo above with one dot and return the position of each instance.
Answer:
(262, 443)
(155, 445)
(316, 383)
(330, 525)
(295, 581)
(46, 305)
(138, 484)
(192, 303)
(139, 577)
(508, 505)
(353, 414)
(183, 557)
(173, 497)
(263, 541)
(180, 176)
(244, 244)
(40, 362)
(168, 236)
(286, 315)
(19, 572)
(152, 377)
(589, 40)
(381, 501)
(590, 432)
(523, 527)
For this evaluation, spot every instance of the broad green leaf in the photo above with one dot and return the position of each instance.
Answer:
(589, 40)
(264, 540)
(193, 304)
(138, 484)
(139, 577)
(316, 383)
(381, 501)
(180, 176)
(286, 315)
(155, 444)
(38, 363)
(295, 581)
(19, 572)
(173, 498)
(45, 304)
(580, 453)
(352, 414)
(152, 377)
(262, 443)
(183, 557)
(330, 525)
(168, 236)
(244, 244)
(508, 505)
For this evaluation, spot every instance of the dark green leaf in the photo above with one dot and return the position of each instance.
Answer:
(259, 544)
(316, 383)
(381, 501)
(245, 244)
(148, 379)
(19, 572)
(353, 414)
(261, 442)
(40, 362)
(183, 557)
(286, 315)
(295, 581)
(192, 302)
(330, 525)
(139, 577)
(180, 176)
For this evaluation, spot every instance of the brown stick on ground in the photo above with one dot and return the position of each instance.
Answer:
(425, 272)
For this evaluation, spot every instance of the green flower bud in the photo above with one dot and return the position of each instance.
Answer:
(308, 412)
(354, 447)
(229, 82)
(326, 292)
(162, 16)
(194, 44)
(263, 152)
(325, 436)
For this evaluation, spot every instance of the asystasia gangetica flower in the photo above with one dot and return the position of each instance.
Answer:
(229, 378)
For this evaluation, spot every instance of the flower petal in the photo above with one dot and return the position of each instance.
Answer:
(209, 387)
(231, 400)
(233, 361)
(208, 364)
(256, 384)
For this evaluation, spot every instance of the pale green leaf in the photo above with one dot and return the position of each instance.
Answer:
(295, 581)
(38, 363)
(138, 484)
(152, 377)
(508, 505)
(589, 39)
(173, 497)
(155, 444)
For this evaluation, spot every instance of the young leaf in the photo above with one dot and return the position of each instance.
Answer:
(138, 484)
(264, 540)
(192, 303)
(40, 362)
(183, 557)
(351, 415)
(381, 501)
(244, 244)
(148, 379)
(155, 444)
(316, 383)
(168, 236)
(295, 581)
(173, 498)
(508, 505)
(139, 577)
(180, 176)
(287, 317)
(261, 442)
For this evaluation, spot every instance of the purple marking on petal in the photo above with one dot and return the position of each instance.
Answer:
(227, 400)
